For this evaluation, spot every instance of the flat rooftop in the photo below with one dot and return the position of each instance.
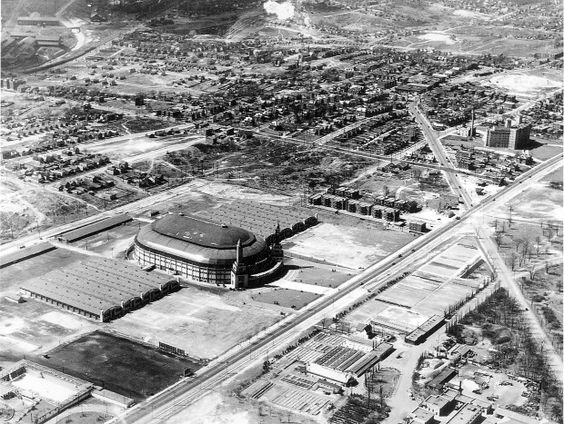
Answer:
(96, 284)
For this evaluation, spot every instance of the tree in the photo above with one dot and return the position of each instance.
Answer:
(498, 238)
(526, 247)
(513, 260)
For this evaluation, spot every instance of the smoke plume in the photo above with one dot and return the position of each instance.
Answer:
(283, 10)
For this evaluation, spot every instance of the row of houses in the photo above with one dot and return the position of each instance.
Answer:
(355, 206)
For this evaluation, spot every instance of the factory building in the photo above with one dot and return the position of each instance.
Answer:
(425, 329)
(347, 362)
(508, 136)
(206, 252)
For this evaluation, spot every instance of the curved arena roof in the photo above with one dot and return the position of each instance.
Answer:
(198, 241)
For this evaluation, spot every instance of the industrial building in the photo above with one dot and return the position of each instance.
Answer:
(206, 252)
(508, 136)
(468, 414)
(348, 362)
(425, 329)
(99, 288)
(39, 20)
(27, 253)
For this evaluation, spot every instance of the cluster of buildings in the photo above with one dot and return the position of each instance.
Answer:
(448, 105)
(324, 99)
(349, 199)
(385, 134)
(51, 168)
(86, 185)
(66, 131)
(492, 166)
(311, 377)
(546, 118)
(449, 408)
(136, 177)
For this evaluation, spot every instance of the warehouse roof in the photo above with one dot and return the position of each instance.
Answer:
(39, 18)
(370, 358)
(27, 253)
(95, 285)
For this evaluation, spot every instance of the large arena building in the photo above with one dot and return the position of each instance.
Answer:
(206, 252)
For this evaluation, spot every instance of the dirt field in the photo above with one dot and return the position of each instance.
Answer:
(307, 273)
(352, 247)
(202, 323)
(538, 203)
(27, 207)
(113, 242)
(527, 83)
(286, 298)
(89, 411)
(121, 365)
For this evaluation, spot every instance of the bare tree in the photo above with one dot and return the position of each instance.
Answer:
(513, 260)
(525, 250)
(537, 245)
(498, 238)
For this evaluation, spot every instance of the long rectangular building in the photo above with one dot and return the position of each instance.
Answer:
(94, 228)
(343, 363)
(425, 329)
(99, 288)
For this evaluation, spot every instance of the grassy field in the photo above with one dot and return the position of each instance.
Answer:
(119, 364)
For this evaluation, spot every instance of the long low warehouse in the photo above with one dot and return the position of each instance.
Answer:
(26, 253)
(99, 288)
(341, 363)
(94, 228)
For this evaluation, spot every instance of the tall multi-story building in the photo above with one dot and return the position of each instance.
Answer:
(508, 136)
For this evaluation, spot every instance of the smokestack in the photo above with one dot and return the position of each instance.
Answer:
(508, 123)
